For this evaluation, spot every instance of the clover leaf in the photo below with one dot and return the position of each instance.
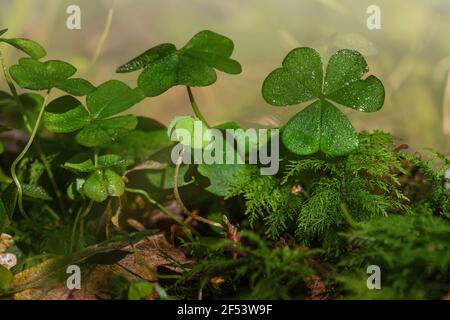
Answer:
(67, 114)
(30, 47)
(82, 163)
(321, 126)
(193, 65)
(36, 75)
(103, 183)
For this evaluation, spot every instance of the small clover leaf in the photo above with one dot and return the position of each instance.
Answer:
(67, 114)
(321, 126)
(103, 183)
(193, 65)
(82, 163)
(189, 131)
(30, 47)
(36, 75)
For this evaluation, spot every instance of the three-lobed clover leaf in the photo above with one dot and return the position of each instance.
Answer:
(321, 126)
(83, 163)
(102, 181)
(193, 65)
(102, 184)
(30, 47)
(95, 122)
(36, 75)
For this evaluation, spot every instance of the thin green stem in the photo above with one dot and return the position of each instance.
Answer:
(105, 33)
(13, 90)
(176, 192)
(29, 128)
(83, 217)
(160, 206)
(195, 108)
(22, 155)
(74, 228)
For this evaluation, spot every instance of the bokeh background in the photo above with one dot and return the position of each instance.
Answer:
(410, 54)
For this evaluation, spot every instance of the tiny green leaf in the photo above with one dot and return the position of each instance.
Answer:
(30, 47)
(3, 31)
(140, 290)
(114, 183)
(35, 75)
(189, 131)
(94, 188)
(36, 192)
(101, 184)
(102, 132)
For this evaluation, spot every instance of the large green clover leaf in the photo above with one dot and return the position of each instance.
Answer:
(36, 75)
(321, 126)
(98, 127)
(193, 65)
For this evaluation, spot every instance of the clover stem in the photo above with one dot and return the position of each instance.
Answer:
(176, 192)
(13, 90)
(105, 33)
(160, 207)
(22, 155)
(83, 216)
(74, 227)
(26, 121)
(195, 108)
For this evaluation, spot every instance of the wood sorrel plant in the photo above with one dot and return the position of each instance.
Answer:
(321, 126)
(91, 158)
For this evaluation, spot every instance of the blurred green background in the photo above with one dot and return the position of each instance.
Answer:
(410, 54)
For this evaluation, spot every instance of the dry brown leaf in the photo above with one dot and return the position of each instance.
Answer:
(47, 281)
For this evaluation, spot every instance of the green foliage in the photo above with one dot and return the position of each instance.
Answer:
(67, 114)
(184, 128)
(140, 290)
(261, 271)
(364, 182)
(340, 201)
(413, 253)
(6, 277)
(193, 65)
(321, 126)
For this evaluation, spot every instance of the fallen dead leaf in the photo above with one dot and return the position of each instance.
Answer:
(47, 281)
